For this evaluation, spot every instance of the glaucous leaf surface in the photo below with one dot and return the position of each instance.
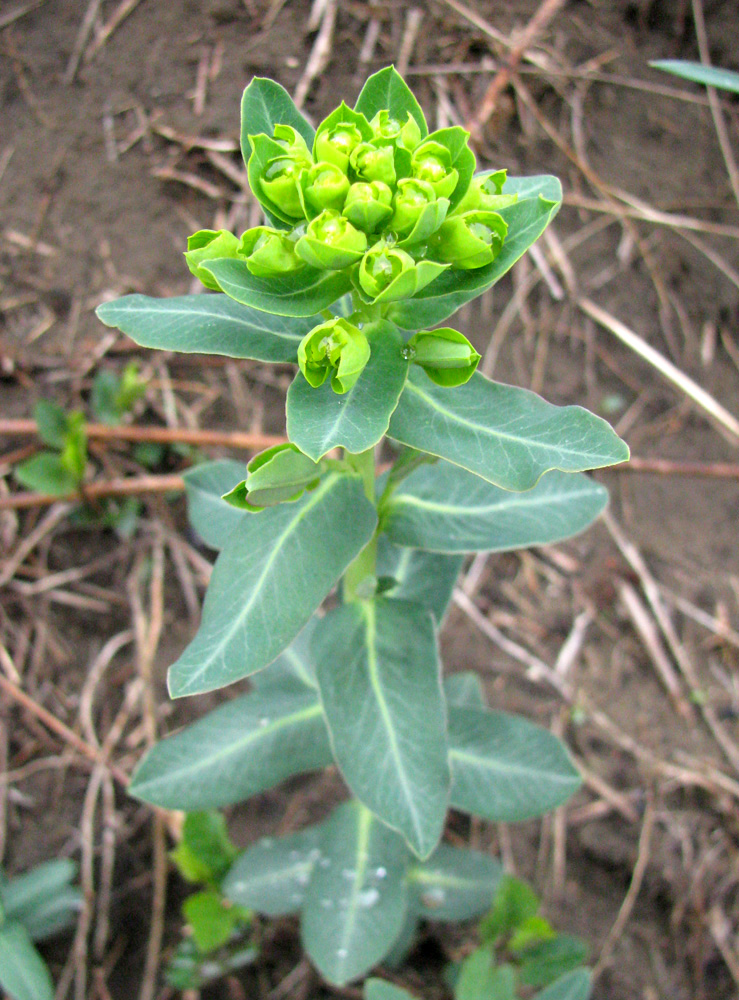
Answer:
(710, 76)
(23, 974)
(403, 944)
(210, 515)
(378, 675)
(539, 200)
(265, 104)
(54, 914)
(302, 293)
(321, 419)
(207, 324)
(356, 900)
(278, 567)
(380, 989)
(271, 876)
(426, 578)
(504, 768)
(574, 986)
(506, 435)
(464, 690)
(453, 884)
(23, 894)
(387, 90)
(443, 508)
(295, 665)
(241, 748)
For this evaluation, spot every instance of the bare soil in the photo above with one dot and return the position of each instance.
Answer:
(99, 188)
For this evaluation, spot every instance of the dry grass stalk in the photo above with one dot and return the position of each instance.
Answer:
(320, 53)
(124, 8)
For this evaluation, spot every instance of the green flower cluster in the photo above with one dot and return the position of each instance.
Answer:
(392, 207)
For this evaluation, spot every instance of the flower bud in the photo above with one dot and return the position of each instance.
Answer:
(278, 475)
(280, 182)
(432, 162)
(209, 244)
(335, 143)
(411, 198)
(336, 347)
(269, 252)
(292, 141)
(447, 357)
(386, 129)
(388, 274)
(470, 240)
(485, 194)
(331, 242)
(373, 163)
(367, 205)
(324, 186)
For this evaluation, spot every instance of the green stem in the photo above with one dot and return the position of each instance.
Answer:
(365, 565)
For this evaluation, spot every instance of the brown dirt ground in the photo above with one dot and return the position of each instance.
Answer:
(80, 224)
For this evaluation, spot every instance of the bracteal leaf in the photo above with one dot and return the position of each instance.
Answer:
(271, 876)
(265, 104)
(426, 578)
(207, 324)
(210, 515)
(443, 508)
(356, 900)
(242, 748)
(453, 884)
(278, 567)
(378, 675)
(300, 293)
(539, 200)
(387, 90)
(506, 435)
(504, 768)
(321, 419)
(23, 974)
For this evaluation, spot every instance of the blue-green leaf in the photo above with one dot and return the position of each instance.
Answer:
(301, 293)
(506, 435)
(210, 515)
(379, 989)
(453, 884)
(379, 678)
(265, 104)
(321, 419)
(387, 90)
(710, 76)
(464, 690)
(22, 895)
(574, 986)
(271, 876)
(293, 666)
(426, 578)
(539, 200)
(207, 324)
(504, 767)
(356, 901)
(23, 974)
(446, 509)
(278, 567)
(241, 748)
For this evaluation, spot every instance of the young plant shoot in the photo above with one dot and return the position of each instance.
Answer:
(376, 232)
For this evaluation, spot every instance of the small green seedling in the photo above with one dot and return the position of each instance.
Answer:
(376, 232)
(114, 396)
(218, 940)
(33, 907)
(60, 471)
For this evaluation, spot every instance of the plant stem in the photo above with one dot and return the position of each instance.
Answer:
(365, 564)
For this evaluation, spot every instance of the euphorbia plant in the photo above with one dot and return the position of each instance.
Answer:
(376, 232)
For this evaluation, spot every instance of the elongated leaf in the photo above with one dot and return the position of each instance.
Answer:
(544, 962)
(539, 200)
(444, 508)
(22, 894)
(23, 974)
(278, 567)
(294, 666)
(46, 473)
(54, 914)
(574, 986)
(425, 578)
(379, 678)
(213, 518)
(356, 901)
(480, 979)
(241, 748)
(321, 419)
(387, 90)
(505, 768)
(207, 324)
(464, 690)
(379, 989)
(453, 884)
(271, 877)
(265, 104)
(403, 944)
(710, 76)
(507, 436)
(302, 293)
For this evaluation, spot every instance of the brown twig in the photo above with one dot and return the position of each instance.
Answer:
(128, 486)
(675, 467)
(121, 12)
